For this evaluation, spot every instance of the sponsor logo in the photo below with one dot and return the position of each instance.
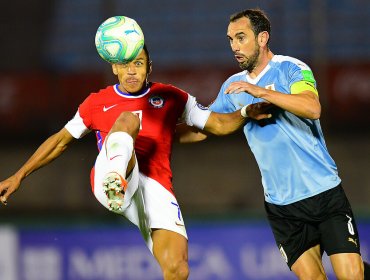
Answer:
(115, 157)
(350, 239)
(108, 108)
(156, 101)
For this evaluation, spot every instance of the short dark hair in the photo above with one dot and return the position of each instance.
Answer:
(145, 48)
(257, 18)
(146, 51)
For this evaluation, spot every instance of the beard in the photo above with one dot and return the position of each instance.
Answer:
(251, 61)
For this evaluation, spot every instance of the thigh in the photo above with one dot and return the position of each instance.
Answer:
(169, 247)
(347, 265)
(294, 234)
(339, 237)
(309, 265)
(163, 210)
(339, 230)
(136, 213)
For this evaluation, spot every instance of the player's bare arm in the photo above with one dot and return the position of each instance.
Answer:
(304, 104)
(189, 134)
(49, 150)
(223, 124)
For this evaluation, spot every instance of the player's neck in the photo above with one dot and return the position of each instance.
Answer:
(263, 62)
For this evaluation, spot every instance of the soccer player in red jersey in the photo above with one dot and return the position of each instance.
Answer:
(135, 122)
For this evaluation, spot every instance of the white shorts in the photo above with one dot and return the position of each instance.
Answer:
(147, 204)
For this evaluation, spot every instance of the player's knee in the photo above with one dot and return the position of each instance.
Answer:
(176, 270)
(128, 122)
(350, 273)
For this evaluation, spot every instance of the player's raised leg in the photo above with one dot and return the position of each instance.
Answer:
(119, 146)
(171, 251)
(119, 143)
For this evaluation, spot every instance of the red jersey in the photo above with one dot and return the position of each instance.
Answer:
(159, 108)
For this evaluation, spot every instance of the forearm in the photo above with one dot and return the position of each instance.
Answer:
(49, 150)
(223, 124)
(305, 104)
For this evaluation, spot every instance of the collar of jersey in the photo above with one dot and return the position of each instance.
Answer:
(130, 95)
(256, 79)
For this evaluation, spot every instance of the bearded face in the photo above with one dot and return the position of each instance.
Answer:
(250, 62)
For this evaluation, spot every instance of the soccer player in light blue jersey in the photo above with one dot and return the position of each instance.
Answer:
(305, 203)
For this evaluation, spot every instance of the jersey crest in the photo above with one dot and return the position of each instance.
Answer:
(156, 101)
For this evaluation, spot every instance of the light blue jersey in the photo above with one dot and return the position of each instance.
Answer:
(290, 151)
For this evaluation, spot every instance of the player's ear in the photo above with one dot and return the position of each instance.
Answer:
(114, 69)
(263, 38)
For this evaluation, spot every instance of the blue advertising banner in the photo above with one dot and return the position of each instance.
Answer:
(224, 251)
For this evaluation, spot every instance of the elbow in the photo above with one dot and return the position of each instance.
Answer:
(316, 113)
(313, 111)
(312, 115)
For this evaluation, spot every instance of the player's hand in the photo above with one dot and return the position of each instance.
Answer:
(7, 187)
(238, 87)
(259, 110)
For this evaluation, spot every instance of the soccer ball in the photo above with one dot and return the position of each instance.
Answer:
(119, 39)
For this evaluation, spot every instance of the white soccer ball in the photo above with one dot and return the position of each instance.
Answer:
(119, 39)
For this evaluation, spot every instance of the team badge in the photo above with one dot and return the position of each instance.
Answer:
(156, 101)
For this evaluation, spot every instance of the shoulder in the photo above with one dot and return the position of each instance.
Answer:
(288, 62)
(165, 87)
(236, 77)
(169, 90)
(102, 93)
(292, 68)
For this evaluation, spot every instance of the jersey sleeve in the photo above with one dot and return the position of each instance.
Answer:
(80, 124)
(301, 78)
(76, 126)
(195, 114)
(222, 103)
